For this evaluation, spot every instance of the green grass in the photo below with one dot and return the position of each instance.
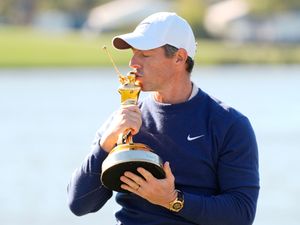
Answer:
(26, 48)
(23, 47)
(210, 52)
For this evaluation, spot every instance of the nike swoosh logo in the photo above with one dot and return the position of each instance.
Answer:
(189, 138)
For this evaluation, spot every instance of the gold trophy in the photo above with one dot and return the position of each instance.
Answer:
(127, 155)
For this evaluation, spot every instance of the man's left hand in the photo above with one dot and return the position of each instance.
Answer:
(157, 191)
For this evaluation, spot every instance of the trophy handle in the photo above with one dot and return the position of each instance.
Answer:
(125, 138)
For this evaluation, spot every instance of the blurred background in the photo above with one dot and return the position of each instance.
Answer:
(57, 87)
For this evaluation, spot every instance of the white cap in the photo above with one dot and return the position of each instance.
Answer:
(157, 30)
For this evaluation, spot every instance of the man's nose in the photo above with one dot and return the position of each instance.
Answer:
(133, 63)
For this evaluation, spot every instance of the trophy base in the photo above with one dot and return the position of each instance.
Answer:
(119, 161)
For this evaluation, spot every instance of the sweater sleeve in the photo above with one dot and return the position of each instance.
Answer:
(86, 193)
(238, 180)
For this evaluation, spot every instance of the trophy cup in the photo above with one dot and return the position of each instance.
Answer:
(127, 155)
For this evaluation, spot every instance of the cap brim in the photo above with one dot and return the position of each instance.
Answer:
(135, 40)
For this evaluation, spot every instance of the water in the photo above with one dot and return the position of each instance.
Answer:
(48, 118)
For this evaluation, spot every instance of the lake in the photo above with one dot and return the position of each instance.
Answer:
(48, 118)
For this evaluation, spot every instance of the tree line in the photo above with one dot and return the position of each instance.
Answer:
(21, 12)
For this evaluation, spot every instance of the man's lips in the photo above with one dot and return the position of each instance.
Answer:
(137, 74)
(138, 79)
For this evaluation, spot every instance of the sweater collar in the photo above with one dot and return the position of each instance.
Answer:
(194, 99)
(194, 92)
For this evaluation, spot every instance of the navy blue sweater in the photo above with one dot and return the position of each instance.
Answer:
(213, 155)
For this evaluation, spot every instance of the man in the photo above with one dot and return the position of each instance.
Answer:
(209, 149)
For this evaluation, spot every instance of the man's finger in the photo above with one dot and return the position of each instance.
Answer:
(145, 173)
(168, 171)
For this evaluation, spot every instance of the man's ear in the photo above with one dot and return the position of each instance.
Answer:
(181, 56)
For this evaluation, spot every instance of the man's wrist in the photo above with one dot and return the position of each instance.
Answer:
(106, 145)
(177, 204)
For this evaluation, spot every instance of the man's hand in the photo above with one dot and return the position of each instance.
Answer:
(127, 117)
(157, 191)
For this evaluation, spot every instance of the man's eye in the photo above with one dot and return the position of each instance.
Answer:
(145, 55)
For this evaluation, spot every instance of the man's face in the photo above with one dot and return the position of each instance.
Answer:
(154, 69)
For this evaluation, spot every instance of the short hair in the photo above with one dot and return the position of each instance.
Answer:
(170, 50)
